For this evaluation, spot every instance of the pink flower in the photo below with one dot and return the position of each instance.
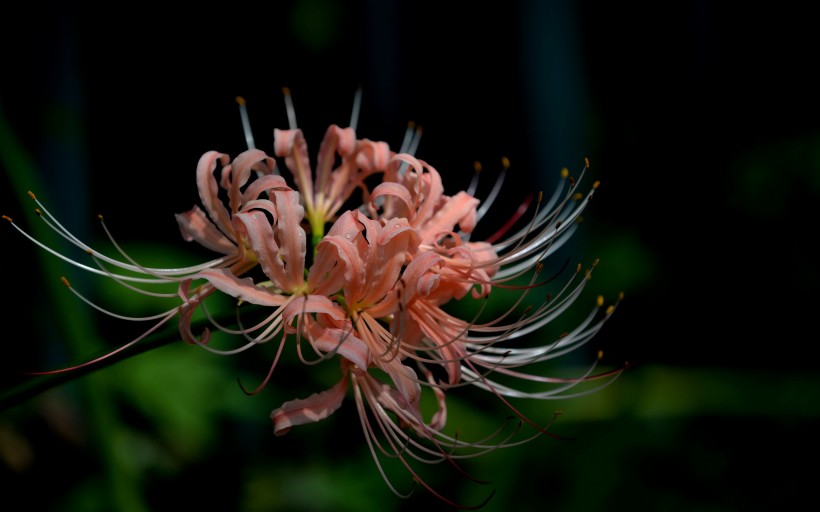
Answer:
(375, 297)
(325, 190)
(215, 228)
(374, 290)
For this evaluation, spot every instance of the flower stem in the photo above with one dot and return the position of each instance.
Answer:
(33, 385)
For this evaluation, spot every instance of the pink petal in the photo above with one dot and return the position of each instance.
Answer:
(292, 238)
(341, 140)
(291, 144)
(242, 289)
(242, 165)
(312, 304)
(264, 184)
(373, 156)
(417, 278)
(195, 226)
(386, 256)
(396, 190)
(342, 342)
(405, 380)
(209, 190)
(273, 260)
(326, 275)
(316, 407)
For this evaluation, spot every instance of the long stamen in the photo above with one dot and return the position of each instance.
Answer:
(111, 313)
(246, 123)
(289, 108)
(357, 105)
(488, 202)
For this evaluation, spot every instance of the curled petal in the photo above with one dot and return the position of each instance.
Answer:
(373, 156)
(209, 190)
(341, 342)
(241, 167)
(407, 392)
(293, 241)
(316, 407)
(417, 278)
(326, 276)
(396, 190)
(194, 225)
(291, 145)
(264, 184)
(336, 140)
(286, 274)
(457, 210)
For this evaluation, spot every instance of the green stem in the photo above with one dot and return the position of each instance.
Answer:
(34, 385)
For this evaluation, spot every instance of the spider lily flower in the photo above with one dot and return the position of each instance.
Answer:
(375, 290)
(325, 190)
(375, 297)
(214, 228)
(448, 265)
(340, 311)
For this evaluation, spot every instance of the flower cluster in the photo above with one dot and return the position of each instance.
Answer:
(356, 259)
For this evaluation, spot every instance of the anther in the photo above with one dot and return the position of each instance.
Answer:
(65, 281)
(38, 212)
(610, 309)
(31, 195)
(600, 300)
(596, 184)
(564, 173)
(100, 217)
(600, 355)
(586, 162)
(477, 166)
(578, 196)
(505, 162)
(7, 218)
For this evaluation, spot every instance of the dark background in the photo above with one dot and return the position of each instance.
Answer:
(699, 118)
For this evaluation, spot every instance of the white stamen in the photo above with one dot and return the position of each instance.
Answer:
(357, 105)
(289, 108)
(246, 123)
